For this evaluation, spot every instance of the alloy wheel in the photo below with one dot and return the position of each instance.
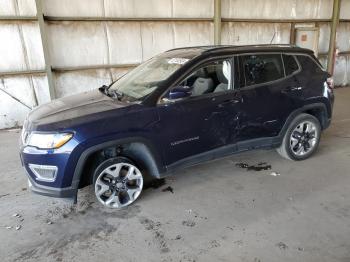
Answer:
(303, 138)
(118, 185)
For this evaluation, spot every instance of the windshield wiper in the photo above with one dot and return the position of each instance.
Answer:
(115, 93)
(112, 93)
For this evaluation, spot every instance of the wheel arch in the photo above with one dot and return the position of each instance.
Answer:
(137, 149)
(318, 110)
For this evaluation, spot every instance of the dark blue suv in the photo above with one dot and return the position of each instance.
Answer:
(178, 109)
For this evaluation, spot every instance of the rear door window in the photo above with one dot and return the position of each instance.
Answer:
(290, 64)
(258, 69)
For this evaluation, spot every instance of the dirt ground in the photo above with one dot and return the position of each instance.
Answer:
(218, 211)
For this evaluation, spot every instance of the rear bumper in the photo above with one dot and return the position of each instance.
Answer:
(67, 192)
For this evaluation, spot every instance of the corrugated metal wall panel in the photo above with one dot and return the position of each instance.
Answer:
(342, 71)
(345, 9)
(28, 89)
(137, 8)
(11, 51)
(193, 33)
(75, 82)
(255, 33)
(77, 43)
(7, 7)
(125, 44)
(26, 7)
(323, 40)
(343, 37)
(18, 55)
(292, 9)
(156, 37)
(73, 7)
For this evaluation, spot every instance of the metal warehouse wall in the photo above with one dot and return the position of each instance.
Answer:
(81, 44)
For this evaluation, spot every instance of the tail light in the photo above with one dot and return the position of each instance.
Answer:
(330, 82)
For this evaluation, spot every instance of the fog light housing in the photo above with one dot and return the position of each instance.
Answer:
(43, 172)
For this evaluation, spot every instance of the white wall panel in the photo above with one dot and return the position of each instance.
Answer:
(33, 45)
(73, 7)
(345, 9)
(343, 37)
(277, 9)
(193, 8)
(11, 51)
(77, 43)
(12, 113)
(255, 33)
(323, 40)
(69, 83)
(125, 43)
(20, 87)
(342, 71)
(156, 37)
(138, 8)
(27, 7)
(41, 89)
(193, 33)
(119, 72)
(17, 7)
(7, 7)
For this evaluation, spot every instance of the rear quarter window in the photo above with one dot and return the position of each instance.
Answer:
(309, 65)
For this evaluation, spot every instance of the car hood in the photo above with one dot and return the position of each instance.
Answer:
(75, 106)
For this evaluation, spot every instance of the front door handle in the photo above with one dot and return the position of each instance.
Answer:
(230, 101)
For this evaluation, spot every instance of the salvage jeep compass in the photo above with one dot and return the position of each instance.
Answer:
(179, 108)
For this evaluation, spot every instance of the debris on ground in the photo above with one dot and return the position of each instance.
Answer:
(4, 195)
(178, 237)
(156, 183)
(16, 215)
(18, 227)
(8, 227)
(49, 222)
(274, 174)
(188, 223)
(282, 245)
(239, 243)
(169, 188)
(260, 166)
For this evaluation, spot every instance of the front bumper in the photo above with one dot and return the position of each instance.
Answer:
(64, 158)
(67, 192)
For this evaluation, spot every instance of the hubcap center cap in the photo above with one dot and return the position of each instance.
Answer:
(119, 185)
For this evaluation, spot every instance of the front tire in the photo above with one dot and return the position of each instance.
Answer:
(118, 182)
(301, 138)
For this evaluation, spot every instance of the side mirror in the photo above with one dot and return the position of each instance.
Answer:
(180, 92)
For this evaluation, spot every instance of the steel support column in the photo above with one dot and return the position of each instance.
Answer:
(48, 69)
(332, 40)
(217, 22)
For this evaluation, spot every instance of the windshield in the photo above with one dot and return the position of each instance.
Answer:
(145, 78)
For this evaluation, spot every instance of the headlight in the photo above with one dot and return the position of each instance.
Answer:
(48, 141)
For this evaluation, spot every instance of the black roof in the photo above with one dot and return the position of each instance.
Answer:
(243, 48)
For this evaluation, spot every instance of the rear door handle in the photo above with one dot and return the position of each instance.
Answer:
(292, 89)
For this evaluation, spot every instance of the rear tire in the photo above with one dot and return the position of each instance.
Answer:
(301, 138)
